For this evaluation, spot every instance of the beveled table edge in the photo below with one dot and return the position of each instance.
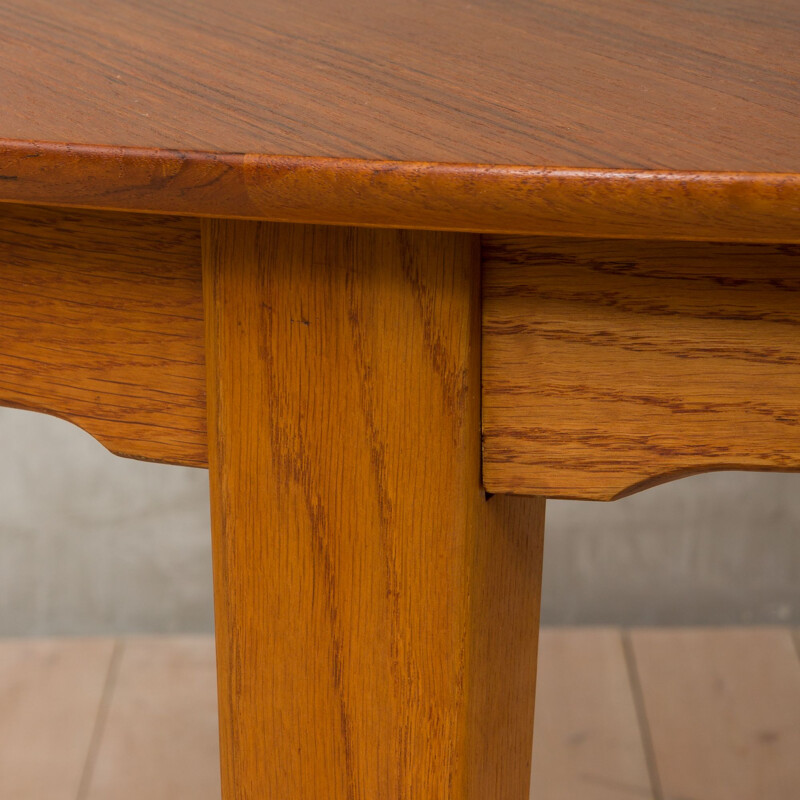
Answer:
(484, 198)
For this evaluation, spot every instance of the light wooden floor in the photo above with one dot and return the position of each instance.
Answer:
(686, 714)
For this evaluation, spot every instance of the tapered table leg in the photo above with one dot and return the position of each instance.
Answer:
(376, 614)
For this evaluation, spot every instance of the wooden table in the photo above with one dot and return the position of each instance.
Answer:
(319, 247)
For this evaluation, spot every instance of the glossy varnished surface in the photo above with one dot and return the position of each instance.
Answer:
(345, 112)
(706, 85)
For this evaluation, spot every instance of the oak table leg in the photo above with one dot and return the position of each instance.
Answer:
(376, 614)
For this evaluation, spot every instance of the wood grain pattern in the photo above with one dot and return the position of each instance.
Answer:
(643, 84)
(612, 366)
(50, 694)
(587, 742)
(101, 323)
(741, 207)
(160, 739)
(568, 117)
(376, 615)
(743, 737)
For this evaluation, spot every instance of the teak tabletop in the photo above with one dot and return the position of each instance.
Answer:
(395, 272)
(628, 118)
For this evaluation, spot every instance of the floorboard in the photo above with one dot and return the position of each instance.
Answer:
(661, 714)
(587, 742)
(160, 737)
(50, 695)
(723, 708)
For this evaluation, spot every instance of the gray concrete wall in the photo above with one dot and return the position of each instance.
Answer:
(90, 543)
(720, 548)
